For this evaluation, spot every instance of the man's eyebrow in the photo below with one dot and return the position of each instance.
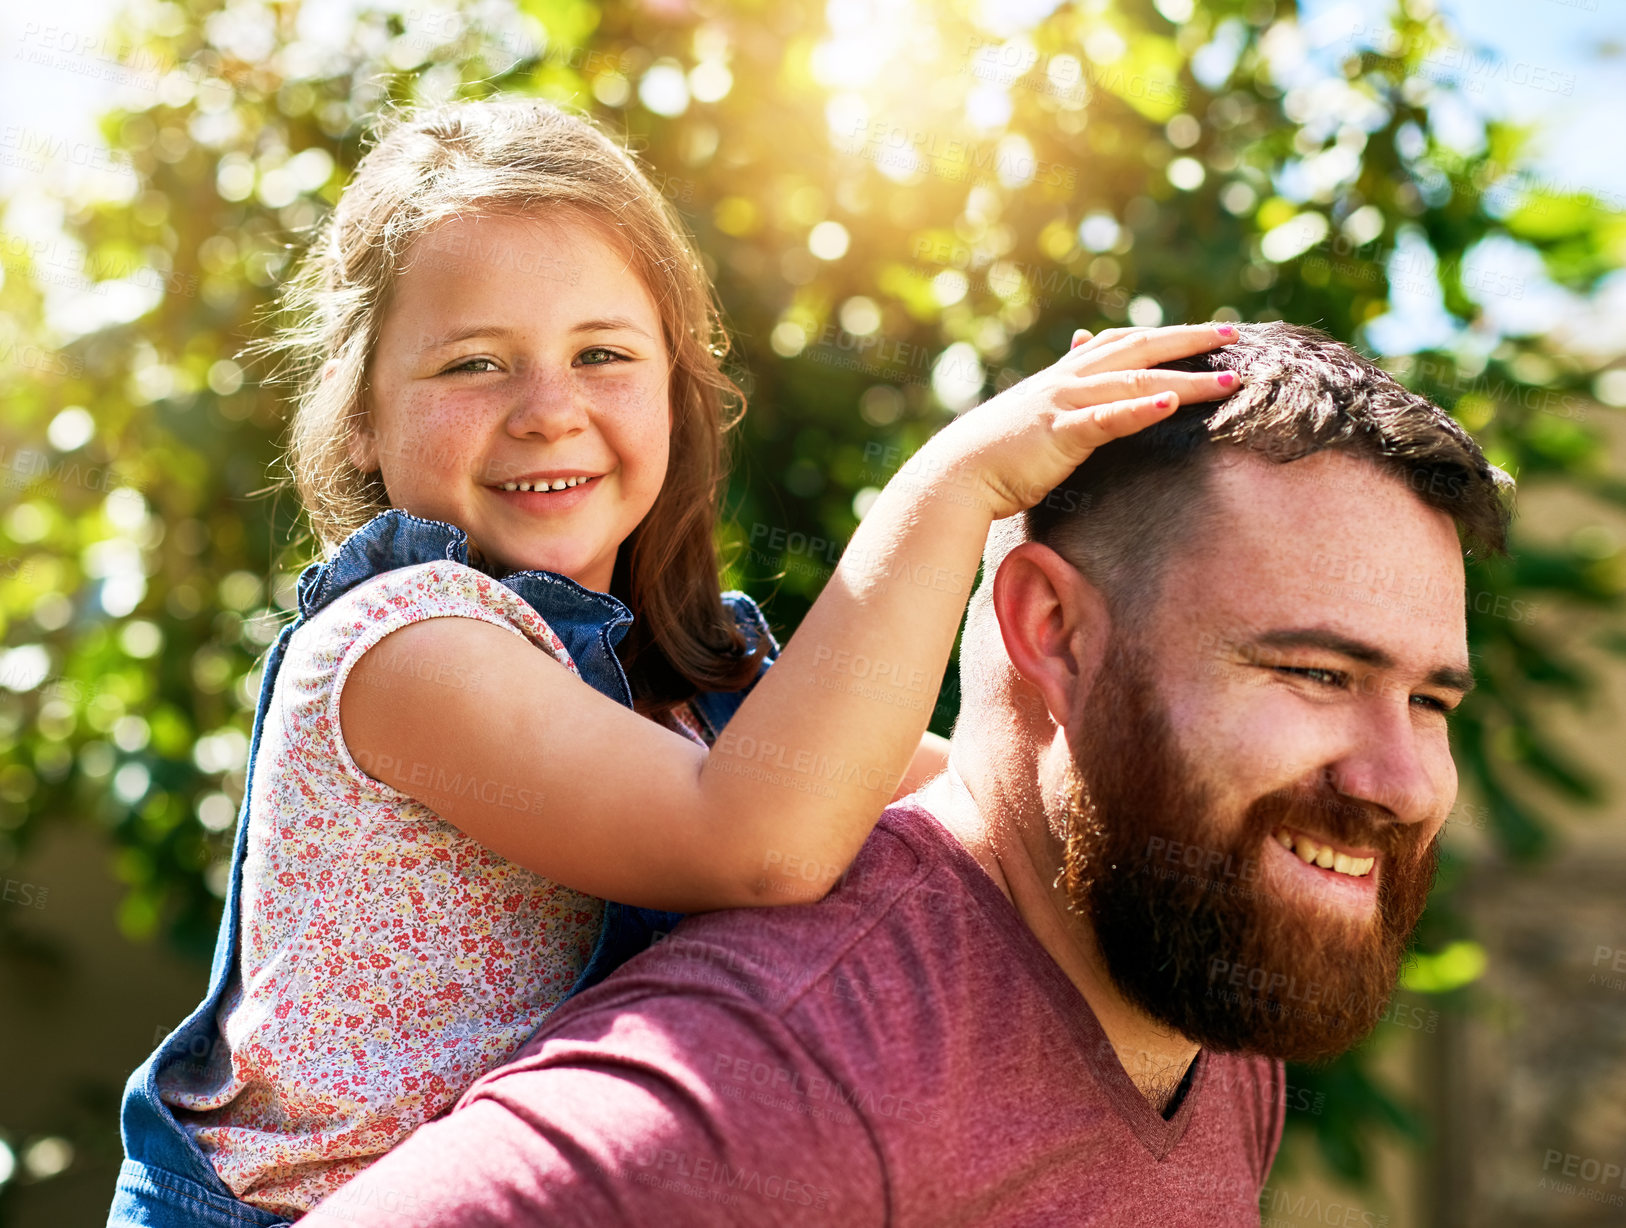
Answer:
(1453, 677)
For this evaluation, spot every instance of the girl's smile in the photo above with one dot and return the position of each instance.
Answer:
(547, 493)
(519, 390)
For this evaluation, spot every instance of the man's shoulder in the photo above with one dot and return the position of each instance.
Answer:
(778, 956)
(814, 1013)
(850, 970)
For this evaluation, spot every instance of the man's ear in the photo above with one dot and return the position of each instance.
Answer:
(1054, 624)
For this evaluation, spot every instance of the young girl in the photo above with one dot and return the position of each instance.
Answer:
(511, 434)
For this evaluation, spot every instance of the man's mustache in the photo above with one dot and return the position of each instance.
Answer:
(1319, 810)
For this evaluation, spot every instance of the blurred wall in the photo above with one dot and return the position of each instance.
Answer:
(82, 1006)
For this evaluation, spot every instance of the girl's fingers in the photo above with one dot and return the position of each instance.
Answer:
(1147, 347)
(1114, 386)
(1099, 424)
(1080, 336)
(1105, 337)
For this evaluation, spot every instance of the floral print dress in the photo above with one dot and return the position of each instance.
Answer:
(387, 960)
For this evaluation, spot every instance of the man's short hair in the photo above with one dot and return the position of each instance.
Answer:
(1125, 512)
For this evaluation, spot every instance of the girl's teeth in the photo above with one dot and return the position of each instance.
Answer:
(556, 484)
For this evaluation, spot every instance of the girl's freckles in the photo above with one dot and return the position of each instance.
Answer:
(627, 398)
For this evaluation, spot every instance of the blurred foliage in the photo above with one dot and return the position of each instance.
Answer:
(903, 208)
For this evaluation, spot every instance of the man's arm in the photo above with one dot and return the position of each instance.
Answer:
(669, 1110)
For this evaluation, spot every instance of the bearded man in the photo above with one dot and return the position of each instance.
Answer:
(1188, 827)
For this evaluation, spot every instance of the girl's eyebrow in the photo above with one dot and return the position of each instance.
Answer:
(463, 334)
(610, 324)
(607, 324)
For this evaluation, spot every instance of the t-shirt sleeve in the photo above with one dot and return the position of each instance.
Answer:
(320, 661)
(634, 1113)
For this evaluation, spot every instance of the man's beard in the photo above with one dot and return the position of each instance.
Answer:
(1189, 928)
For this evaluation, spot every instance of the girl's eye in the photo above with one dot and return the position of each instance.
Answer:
(472, 365)
(598, 356)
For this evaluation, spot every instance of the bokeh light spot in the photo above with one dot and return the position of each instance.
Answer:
(828, 240)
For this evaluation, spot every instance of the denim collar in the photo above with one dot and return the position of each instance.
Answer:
(589, 623)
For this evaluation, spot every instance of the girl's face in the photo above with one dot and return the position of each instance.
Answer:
(521, 351)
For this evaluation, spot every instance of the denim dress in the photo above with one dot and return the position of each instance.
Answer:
(166, 1181)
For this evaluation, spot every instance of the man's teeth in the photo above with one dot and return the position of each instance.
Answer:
(556, 484)
(1311, 853)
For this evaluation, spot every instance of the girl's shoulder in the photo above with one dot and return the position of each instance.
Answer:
(443, 588)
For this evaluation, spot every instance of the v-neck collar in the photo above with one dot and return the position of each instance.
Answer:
(1159, 1135)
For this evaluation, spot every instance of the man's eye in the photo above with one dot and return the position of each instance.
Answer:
(1434, 705)
(1327, 677)
(476, 365)
(598, 356)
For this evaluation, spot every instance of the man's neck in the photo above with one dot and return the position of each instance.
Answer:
(1015, 847)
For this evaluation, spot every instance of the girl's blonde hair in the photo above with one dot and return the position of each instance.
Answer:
(508, 155)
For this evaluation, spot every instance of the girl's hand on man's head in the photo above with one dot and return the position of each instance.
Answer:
(1018, 446)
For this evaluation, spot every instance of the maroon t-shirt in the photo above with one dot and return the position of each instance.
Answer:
(902, 1053)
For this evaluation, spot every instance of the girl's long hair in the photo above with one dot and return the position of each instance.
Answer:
(525, 155)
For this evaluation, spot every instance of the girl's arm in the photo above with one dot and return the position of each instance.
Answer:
(930, 758)
(622, 808)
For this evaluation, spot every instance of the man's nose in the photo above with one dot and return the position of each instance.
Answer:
(1389, 764)
(546, 403)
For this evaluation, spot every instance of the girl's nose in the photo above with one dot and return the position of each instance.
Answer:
(546, 404)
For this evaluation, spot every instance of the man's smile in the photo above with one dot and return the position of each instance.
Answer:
(1292, 862)
(1327, 855)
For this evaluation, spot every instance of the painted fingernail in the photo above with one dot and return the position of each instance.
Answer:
(1228, 331)
(1227, 378)
(1164, 400)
